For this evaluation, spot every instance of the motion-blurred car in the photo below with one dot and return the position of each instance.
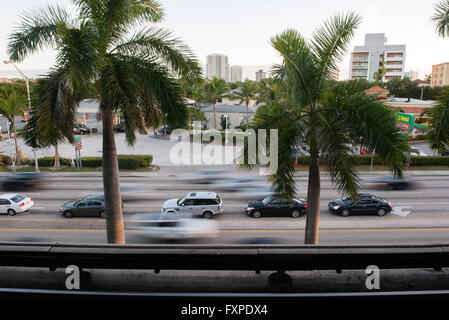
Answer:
(204, 204)
(273, 206)
(80, 128)
(120, 127)
(12, 203)
(173, 228)
(417, 152)
(206, 176)
(445, 153)
(23, 181)
(365, 204)
(90, 206)
(390, 182)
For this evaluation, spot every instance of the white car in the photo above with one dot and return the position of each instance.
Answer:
(12, 203)
(205, 204)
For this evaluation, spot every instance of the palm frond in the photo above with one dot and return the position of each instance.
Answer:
(441, 18)
(438, 133)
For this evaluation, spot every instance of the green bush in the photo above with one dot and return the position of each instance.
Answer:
(366, 160)
(429, 161)
(5, 160)
(129, 162)
(50, 161)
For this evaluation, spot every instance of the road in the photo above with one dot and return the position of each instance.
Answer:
(420, 215)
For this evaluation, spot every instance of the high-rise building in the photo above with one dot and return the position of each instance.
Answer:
(260, 75)
(368, 59)
(236, 73)
(217, 66)
(440, 75)
(412, 75)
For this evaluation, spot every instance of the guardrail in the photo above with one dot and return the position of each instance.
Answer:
(229, 257)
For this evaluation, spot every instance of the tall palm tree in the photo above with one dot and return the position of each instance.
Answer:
(438, 134)
(12, 107)
(326, 119)
(441, 18)
(135, 73)
(213, 92)
(246, 92)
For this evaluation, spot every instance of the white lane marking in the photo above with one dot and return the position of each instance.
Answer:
(399, 211)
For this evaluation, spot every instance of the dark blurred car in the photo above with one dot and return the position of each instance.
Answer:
(80, 128)
(23, 181)
(445, 153)
(90, 206)
(366, 204)
(389, 182)
(120, 127)
(276, 207)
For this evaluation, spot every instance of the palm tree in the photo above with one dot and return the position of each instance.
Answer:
(135, 73)
(441, 18)
(438, 134)
(326, 119)
(246, 92)
(14, 106)
(213, 92)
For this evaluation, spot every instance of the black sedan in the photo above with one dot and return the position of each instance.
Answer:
(276, 207)
(366, 204)
(23, 181)
(90, 206)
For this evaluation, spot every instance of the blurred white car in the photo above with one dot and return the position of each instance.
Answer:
(170, 228)
(203, 203)
(12, 203)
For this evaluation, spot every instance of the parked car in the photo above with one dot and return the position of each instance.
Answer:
(170, 227)
(120, 127)
(90, 206)
(204, 204)
(80, 128)
(23, 181)
(365, 204)
(276, 207)
(12, 203)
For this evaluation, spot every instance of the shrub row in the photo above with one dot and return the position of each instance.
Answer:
(124, 161)
(366, 160)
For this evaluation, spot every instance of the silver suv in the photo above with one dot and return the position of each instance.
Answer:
(205, 204)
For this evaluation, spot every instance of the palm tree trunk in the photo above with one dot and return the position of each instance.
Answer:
(57, 164)
(111, 182)
(313, 199)
(247, 113)
(18, 155)
(215, 118)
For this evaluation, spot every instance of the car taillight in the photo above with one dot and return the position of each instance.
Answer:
(305, 206)
(219, 208)
(22, 204)
(389, 203)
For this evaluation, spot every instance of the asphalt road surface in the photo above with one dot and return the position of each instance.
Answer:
(420, 215)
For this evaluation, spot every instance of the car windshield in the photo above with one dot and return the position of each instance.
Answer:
(17, 198)
(180, 201)
(267, 200)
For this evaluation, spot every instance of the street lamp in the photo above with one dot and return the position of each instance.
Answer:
(36, 165)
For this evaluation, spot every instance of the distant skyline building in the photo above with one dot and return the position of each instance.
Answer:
(236, 73)
(412, 75)
(260, 75)
(217, 65)
(440, 75)
(367, 59)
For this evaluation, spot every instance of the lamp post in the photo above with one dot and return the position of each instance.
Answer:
(36, 165)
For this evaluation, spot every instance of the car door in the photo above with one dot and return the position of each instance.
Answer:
(372, 206)
(361, 206)
(81, 210)
(287, 207)
(94, 208)
(188, 206)
(4, 204)
(273, 208)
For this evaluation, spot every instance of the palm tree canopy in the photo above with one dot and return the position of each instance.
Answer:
(214, 90)
(439, 123)
(441, 18)
(13, 106)
(135, 73)
(245, 92)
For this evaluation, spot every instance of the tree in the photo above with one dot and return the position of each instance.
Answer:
(380, 73)
(14, 106)
(326, 119)
(246, 92)
(213, 92)
(134, 73)
(438, 133)
(441, 18)
(196, 114)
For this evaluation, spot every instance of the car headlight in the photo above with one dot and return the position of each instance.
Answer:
(250, 209)
(336, 207)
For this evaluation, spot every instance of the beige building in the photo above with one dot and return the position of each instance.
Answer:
(260, 75)
(440, 75)
(217, 66)
(236, 73)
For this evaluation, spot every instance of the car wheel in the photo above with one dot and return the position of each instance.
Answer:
(345, 213)
(103, 214)
(208, 215)
(295, 214)
(11, 212)
(257, 214)
(68, 214)
(81, 132)
(381, 212)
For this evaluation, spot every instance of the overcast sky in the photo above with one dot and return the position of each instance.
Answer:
(241, 29)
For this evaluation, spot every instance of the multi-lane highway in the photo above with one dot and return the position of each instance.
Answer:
(420, 215)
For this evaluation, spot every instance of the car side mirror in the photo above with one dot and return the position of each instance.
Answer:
(268, 205)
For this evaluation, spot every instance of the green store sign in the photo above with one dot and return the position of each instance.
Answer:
(405, 121)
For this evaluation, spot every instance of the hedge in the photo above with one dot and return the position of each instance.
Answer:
(366, 160)
(124, 161)
(50, 161)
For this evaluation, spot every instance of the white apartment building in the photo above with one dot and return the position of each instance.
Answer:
(217, 66)
(236, 73)
(260, 75)
(367, 59)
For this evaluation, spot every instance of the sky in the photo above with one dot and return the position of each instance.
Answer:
(242, 29)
